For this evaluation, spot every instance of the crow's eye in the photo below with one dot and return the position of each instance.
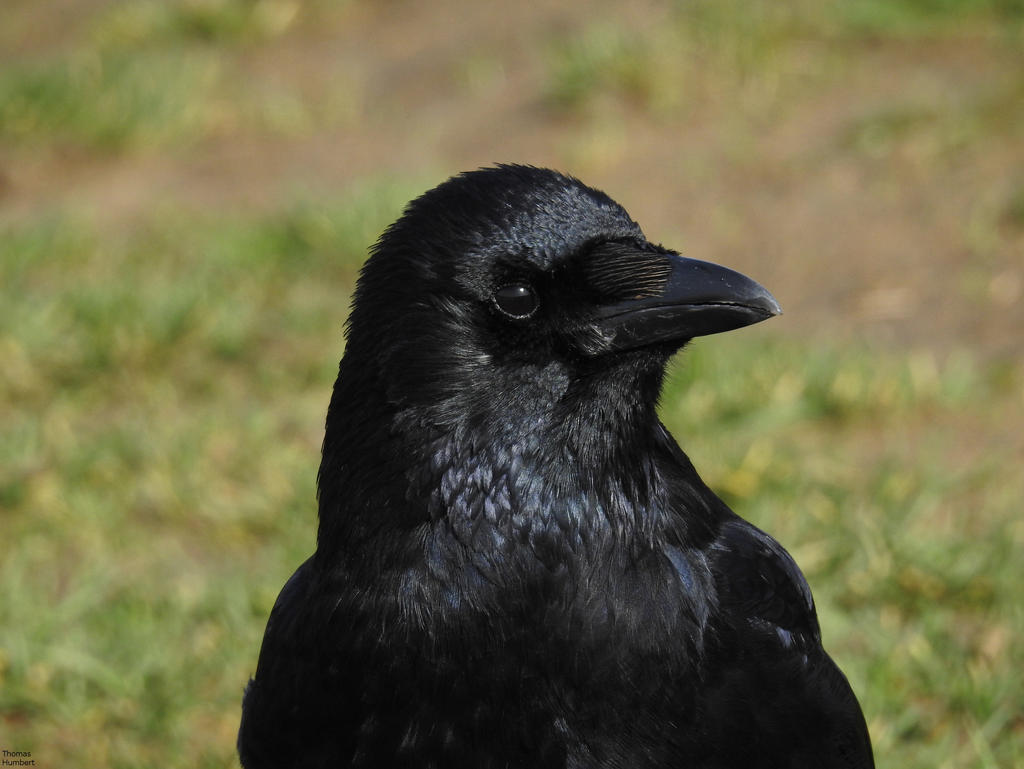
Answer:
(517, 300)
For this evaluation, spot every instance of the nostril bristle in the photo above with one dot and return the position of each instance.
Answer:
(618, 271)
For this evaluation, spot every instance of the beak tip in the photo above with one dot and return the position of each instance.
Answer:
(760, 300)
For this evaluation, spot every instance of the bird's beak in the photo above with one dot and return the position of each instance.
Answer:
(696, 299)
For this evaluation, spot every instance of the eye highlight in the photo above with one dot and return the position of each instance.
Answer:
(517, 300)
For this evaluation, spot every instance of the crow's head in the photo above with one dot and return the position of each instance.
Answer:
(512, 318)
(498, 290)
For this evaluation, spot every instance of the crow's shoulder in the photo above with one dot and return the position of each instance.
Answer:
(761, 585)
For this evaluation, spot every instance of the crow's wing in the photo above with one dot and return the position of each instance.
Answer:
(774, 696)
(289, 708)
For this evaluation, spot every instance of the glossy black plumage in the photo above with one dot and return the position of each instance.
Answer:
(516, 564)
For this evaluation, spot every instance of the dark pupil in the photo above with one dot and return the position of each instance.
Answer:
(517, 300)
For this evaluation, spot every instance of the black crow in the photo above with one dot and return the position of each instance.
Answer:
(516, 565)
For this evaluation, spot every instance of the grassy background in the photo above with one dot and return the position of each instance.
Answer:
(187, 189)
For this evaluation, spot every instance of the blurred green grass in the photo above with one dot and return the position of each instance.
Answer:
(144, 76)
(749, 53)
(164, 385)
